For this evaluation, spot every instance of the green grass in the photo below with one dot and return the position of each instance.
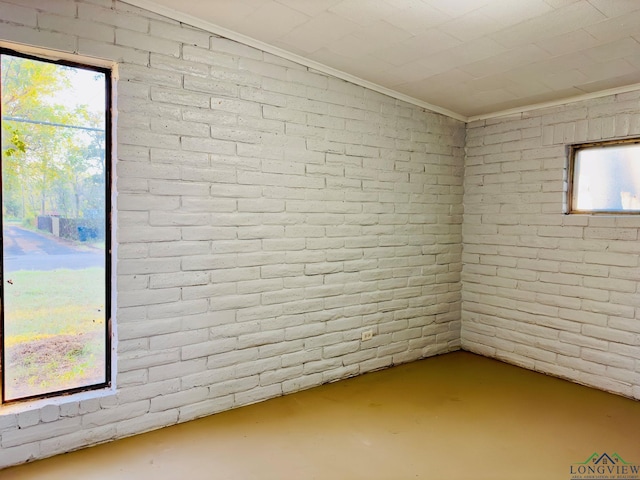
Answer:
(54, 330)
(56, 302)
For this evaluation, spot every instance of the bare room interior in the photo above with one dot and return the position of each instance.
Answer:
(331, 239)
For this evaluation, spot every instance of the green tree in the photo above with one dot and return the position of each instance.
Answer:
(44, 162)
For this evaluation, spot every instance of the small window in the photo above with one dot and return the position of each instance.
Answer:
(604, 177)
(55, 255)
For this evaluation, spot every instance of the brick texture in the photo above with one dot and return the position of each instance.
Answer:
(267, 215)
(551, 292)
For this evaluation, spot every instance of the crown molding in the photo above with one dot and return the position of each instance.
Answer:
(173, 14)
(556, 103)
(252, 42)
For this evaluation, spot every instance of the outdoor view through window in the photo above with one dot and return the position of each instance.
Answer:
(55, 312)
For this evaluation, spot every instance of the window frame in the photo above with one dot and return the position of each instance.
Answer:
(571, 170)
(41, 55)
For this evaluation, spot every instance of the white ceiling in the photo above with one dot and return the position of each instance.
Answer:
(470, 57)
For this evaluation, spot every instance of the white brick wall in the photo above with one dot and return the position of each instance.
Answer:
(551, 292)
(266, 215)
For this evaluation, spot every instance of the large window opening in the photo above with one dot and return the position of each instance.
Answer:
(604, 177)
(55, 312)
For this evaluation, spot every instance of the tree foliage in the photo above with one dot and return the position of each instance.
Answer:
(48, 165)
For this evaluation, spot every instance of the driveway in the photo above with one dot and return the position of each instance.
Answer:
(28, 250)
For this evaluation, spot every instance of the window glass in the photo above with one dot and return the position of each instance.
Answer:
(55, 242)
(606, 178)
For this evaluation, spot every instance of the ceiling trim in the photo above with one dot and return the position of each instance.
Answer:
(252, 42)
(170, 13)
(556, 103)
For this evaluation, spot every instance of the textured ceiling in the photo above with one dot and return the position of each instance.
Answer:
(471, 57)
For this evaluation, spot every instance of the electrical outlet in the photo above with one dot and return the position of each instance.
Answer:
(367, 335)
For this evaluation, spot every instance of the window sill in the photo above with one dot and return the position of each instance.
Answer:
(29, 405)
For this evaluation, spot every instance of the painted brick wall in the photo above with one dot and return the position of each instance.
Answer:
(266, 216)
(550, 292)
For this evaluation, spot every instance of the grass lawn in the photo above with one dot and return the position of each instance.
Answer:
(54, 330)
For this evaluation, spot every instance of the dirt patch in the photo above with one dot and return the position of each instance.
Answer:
(52, 364)
(44, 351)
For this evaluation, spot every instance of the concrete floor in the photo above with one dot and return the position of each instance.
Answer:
(456, 416)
